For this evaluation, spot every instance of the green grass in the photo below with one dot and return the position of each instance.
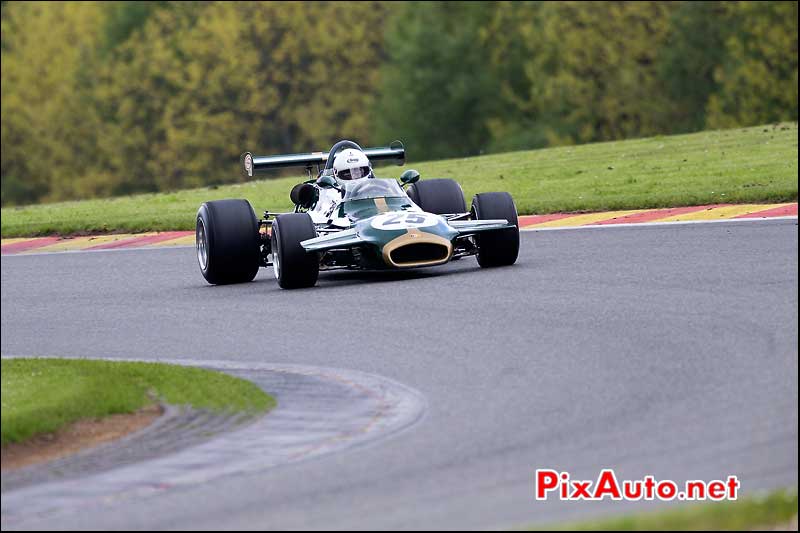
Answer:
(42, 395)
(756, 164)
(774, 509)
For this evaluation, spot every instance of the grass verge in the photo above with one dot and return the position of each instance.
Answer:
(43, 395)
(757, 165)
(773, 510)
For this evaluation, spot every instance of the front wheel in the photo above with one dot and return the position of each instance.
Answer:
(294, 267)
(227, 241)
(498, 247)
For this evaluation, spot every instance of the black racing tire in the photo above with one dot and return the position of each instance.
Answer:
(294, 267)
(227, 241)
(499, 247)
(438, 196)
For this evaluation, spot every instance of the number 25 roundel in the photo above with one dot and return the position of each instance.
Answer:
(391, 221)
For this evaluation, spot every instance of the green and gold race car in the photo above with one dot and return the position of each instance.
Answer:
(346, 218)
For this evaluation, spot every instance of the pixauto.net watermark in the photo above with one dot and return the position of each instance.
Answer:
(551, 483)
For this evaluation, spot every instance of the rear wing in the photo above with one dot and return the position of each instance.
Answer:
(253, 164)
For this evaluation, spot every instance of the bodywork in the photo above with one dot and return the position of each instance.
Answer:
(376, 225)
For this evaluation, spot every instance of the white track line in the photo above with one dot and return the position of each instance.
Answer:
(533, 228)
(100, 251)
(671, 223)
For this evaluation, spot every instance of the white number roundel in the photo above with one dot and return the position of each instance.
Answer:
(390, 221)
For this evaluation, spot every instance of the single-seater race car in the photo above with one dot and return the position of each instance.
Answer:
(345, 218)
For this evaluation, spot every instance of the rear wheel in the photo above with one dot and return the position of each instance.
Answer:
(227, 241)
(294, 267)
(438, 196)
(498, 247)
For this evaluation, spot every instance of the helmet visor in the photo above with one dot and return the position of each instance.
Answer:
(354, 173)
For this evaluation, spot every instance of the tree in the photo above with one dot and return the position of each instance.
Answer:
(694, 48)
(436, 88)
(758, 80)
(44, 123)
(198, 83)
(590, 71)
(110, 98)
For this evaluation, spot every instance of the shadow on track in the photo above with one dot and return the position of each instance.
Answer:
(344, 278)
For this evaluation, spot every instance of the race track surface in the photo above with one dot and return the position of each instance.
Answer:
(669, 351)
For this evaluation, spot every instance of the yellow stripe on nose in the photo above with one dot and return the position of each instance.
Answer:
(380, 205)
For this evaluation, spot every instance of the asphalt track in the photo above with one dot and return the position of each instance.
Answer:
(667, 350)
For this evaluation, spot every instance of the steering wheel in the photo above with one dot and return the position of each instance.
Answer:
(338, 147)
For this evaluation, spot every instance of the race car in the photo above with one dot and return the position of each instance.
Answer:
(346, 218)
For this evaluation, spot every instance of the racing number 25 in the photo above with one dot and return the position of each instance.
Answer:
(396, 221)
(409, 218)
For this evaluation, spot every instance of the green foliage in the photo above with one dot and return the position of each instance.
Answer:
(111, 98)
(589, 68)
(437, 89)
(45, 126)
(758, 79)
(160, 95)
(550, 73)
(694, 49)
(123, 18)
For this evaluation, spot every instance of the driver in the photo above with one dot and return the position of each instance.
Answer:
(351, 164)
(348, 165)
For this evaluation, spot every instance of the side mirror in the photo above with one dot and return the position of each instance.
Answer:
(326, 180)
(409, 176)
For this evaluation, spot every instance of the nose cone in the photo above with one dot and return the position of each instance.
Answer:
(417, 248)
(406, 239)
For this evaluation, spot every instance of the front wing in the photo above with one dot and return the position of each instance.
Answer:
(349, 237)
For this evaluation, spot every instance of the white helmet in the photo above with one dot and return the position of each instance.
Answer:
(351, 164)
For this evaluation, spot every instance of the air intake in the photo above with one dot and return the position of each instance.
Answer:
(420, 254)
